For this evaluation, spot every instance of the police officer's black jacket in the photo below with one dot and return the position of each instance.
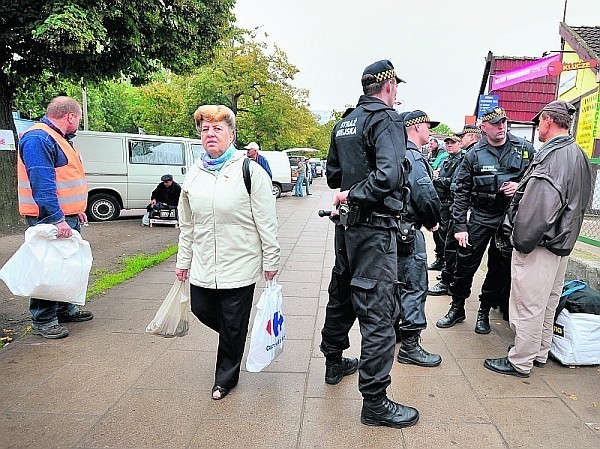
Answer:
(447, 177)
(424, 205)
(480, 176)
(366, 154)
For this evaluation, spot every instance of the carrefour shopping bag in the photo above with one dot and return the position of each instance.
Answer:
(47, 267)
(268, 330)
(172, 318)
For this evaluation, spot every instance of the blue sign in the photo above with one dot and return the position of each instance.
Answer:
(485, 102)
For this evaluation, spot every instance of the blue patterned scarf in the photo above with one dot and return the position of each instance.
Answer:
(217, 163)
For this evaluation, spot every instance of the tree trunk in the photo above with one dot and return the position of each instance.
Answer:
(10, 220)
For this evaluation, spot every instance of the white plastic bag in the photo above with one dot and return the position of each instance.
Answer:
(268, 330)
(146, 219)
(47, 267)
(172, 318)
(576, 339)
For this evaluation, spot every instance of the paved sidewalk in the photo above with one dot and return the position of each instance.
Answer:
(110, 385)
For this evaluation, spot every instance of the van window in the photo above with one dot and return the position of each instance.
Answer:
(157, 153)
(197, 150)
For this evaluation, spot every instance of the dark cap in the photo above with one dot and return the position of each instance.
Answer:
(494, 115)
(559, 107)
(453, 137)
(165, 178)
(403, 114)
(381, 71)
(469, 129)
(416, 117)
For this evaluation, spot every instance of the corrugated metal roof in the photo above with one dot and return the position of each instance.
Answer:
(522, 101)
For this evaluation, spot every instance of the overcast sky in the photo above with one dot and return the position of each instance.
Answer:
(437, 46)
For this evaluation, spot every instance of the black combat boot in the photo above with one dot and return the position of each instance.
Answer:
(383, 412)
(412, 353)
(334, 372)
(437, 264)
(482, 326)
(439, 289)
(456, 314)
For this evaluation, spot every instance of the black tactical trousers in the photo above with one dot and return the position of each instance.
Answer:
(450, 253)
(445, 217)
(438, 240)
(412, 274)
(495, 290)
(363, 284)
(439, 236)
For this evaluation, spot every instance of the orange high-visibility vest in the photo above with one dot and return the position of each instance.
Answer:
(71, 185)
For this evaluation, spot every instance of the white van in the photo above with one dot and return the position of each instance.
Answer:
(123, 169)
(281, 171)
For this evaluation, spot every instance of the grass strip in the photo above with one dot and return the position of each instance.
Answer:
(131, 266)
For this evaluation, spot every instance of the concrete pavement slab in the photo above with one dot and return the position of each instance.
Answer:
(109, 384)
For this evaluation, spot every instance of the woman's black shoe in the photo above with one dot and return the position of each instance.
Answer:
(222, 392)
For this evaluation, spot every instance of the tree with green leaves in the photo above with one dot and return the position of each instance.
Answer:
(442, 128)
(94, 40)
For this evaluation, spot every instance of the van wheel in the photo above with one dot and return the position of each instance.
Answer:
(103, 207)
(276, 190)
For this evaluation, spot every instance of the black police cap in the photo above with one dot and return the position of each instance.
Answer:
(380, 71)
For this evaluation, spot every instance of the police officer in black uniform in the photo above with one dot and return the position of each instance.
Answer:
(365, 162)
(422, 209)
(486, 180)
(445, 183)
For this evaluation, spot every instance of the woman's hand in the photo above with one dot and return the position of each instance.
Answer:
(182, 275)
(269, 275)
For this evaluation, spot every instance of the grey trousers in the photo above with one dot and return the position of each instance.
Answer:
(537, 280)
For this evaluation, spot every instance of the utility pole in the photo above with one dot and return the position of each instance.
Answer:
(85, 110)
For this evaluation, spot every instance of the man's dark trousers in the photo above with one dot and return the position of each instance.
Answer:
(495, 290)
(450, 252)
(363, 285)
(412, 273)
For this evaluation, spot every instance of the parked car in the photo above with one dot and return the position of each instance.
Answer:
(123, 169)
(281, 171)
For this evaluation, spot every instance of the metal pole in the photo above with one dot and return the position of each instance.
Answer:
(85, 109)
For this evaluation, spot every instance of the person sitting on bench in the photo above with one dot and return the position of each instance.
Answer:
(166, 193)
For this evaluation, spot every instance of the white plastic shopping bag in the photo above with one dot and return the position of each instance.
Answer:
(576, 339)
(172, 318)
(47, 267)
(268, 330)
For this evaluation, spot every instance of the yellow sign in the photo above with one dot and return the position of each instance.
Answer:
(587, 122)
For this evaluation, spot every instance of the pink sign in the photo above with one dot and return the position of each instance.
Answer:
(535, 69)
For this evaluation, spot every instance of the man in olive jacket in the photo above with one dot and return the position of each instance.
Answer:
(543, 221)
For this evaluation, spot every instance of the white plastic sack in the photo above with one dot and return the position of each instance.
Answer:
(576, 339)
(146, 219)
(172, 318)
(47, 267)
(268, 330)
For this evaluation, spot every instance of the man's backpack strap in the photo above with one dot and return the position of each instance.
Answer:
(246, 173)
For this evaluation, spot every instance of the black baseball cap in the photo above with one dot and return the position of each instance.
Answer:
(380, 71)
(416, 117)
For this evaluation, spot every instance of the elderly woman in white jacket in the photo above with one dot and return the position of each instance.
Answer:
(227, 240)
